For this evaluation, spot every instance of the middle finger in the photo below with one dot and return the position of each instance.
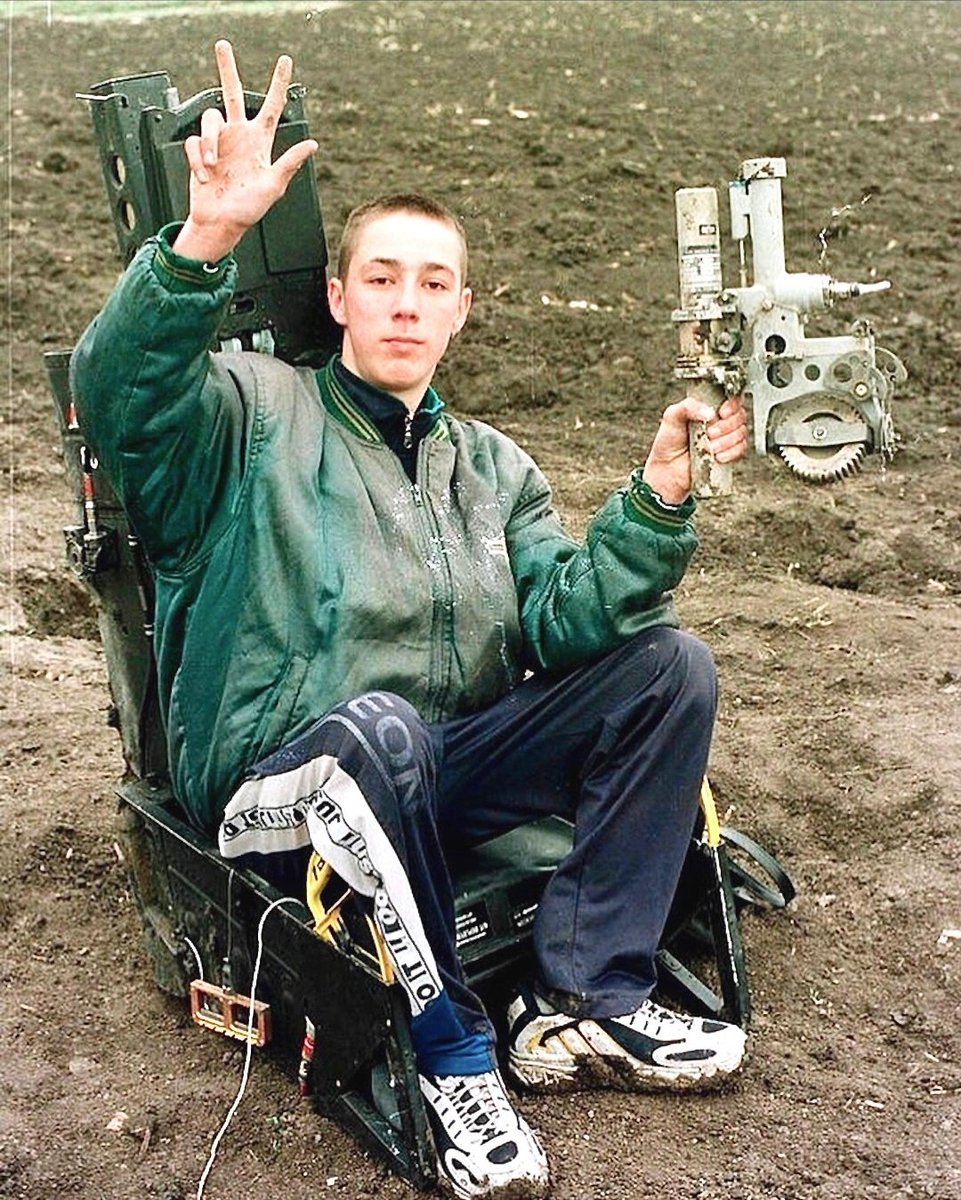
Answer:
(276, 97)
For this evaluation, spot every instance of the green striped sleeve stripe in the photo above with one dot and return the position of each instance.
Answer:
(175, 267)
(642, 504)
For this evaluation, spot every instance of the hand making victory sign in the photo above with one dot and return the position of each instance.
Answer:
(233, 182)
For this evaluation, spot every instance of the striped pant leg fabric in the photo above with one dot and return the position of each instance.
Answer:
(359, 787)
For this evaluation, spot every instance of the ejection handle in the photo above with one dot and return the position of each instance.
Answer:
(699, 271)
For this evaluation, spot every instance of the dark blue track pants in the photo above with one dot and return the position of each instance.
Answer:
(618, 747)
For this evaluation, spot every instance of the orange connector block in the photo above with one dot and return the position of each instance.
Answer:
(229, 1013)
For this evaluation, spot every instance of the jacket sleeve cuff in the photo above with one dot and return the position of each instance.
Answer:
(181, 274)
(643, 504)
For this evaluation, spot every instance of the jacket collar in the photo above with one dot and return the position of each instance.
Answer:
(358, 405)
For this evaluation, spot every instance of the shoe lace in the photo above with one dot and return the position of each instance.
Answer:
(653, 1017)
(480, 1102)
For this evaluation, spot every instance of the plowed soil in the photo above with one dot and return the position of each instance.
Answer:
(560, 131)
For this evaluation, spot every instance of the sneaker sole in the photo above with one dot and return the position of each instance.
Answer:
(617, 1073)
(522, 1188)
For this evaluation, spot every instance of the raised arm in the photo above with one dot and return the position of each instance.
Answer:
(165, 416)
(232, 179)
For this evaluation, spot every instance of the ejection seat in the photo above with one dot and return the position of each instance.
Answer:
(204, 918)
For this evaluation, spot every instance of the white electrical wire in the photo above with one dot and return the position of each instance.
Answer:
(215, 1145)
(200, 964)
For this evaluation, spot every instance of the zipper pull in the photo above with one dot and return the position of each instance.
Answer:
(418, 495)
(408, 435)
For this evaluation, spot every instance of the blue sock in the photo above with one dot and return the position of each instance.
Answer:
(444, 1046)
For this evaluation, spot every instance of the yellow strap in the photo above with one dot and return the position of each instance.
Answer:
(383, 957)
(328, 922)
(712, 826)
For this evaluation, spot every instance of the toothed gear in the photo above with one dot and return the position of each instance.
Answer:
(824, 464)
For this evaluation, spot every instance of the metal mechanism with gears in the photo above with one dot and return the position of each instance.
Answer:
(821, 403)
(821, 437)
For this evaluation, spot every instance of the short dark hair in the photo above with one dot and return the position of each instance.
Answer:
(382, 206)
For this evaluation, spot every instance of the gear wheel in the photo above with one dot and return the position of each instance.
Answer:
(823, 416)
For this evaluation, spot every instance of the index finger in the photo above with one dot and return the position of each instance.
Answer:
(230, 85)
(690, 409)
(276, 97)
(732, 410)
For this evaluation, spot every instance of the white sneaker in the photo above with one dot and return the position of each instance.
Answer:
(649, 1049)
(484, 1147)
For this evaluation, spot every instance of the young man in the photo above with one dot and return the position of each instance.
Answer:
(375, 640)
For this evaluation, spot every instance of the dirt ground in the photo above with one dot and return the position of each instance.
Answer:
(559, 131)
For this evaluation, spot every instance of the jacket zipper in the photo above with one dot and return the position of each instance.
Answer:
(408, 432)
(442, 604)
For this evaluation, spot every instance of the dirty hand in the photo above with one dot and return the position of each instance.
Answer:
(232, 180)
(668, 466)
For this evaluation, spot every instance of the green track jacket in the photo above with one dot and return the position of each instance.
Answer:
(296, 565)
